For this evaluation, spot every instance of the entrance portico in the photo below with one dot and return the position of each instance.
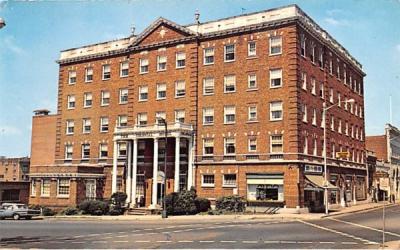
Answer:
(144, 167)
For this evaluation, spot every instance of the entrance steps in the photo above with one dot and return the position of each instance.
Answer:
(143, 211)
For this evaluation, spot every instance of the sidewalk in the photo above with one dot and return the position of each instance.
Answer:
(305, 216)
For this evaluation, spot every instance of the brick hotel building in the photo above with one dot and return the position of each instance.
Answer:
(242, 97)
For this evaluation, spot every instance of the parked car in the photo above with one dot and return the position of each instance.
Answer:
(17, 211)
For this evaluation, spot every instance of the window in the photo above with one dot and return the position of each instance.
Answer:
(180, 115)
(208, 86)
(142, 119)
(275, 45)
(330, 66)
(229, 148)
(68, 151)
(106, 72)
(331, 95)
(208, 146)
(305, 146)
(229, 180)
(105, 98)
(321, 59)
(143, 93)
(333, 151)
(208, 56)
(252, 145)
(338, 70)
(63, 187)
(33, 188)
(276, 113)
(121, 148)
(229, 114)
(340, 127)
(161, 63)
(344, 74)
(143, 66)
(123, 96)
(332, 123)
(229, 83)
(313, 86)
(179, 89)
(313, 53)
(304, 111)
(70, 127)
(252, 81)
(315, 147)
(346, 129)
(303, 45)
(89, 74)
(85, 151)
(87, 100)
(207, 180)
(304, 80)
(103, 149)
(321, 90)
(160, 114)
(339, 99)
(45, 189)
(71, 77)
(251, 49)
(252, 116)
(276, 144)
(86, 126)
(275, 76)
(71, 101)
(103, 124)
(124, 69)
(122, 121)
(161, 91)
(229, 53)
(208, 116)
(322, 122)
(345, 103)
(180, 60)
(314, 117)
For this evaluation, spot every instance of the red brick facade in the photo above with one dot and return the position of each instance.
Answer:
(164, 40)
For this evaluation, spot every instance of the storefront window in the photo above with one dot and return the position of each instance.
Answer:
(267, 192)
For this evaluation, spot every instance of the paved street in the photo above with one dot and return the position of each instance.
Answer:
(357, 230)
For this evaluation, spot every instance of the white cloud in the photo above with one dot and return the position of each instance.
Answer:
(6, 130)
(333, 12)
(336, 22)
(8, 43)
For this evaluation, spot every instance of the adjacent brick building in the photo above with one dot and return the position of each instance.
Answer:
(242, 98)
(14, 179)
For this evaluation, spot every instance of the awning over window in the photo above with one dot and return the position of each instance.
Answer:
(316, 183)
(271, 179)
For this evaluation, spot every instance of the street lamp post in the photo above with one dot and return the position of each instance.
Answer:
(324, 110)
(2, 23)
(164, 190)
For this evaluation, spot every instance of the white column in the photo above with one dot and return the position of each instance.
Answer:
(128, 181)
(134, 170)
(115, 168)
(190, 164)
(155, 173)
(177, 169)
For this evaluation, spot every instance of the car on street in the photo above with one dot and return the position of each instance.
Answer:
(17, 211)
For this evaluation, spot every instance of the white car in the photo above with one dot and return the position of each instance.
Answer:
(17, 211)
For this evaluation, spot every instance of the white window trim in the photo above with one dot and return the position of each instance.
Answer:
(234, 52)
(229, 154)
(103, 71)
(225, 85)
(157, 89)
(248, 145)
(86, 74)
(120, 69)
(270, 46)
(204, 56)
(249, 79)
(270, 112)
(63, 195)
(66, 152)
(204, 86)
(33, 189)
(204, 146)
(120, 96)
(248, 113)
(82, 150)
(102, 98)
(204, 116)
(176, 89)
(234, 113)
(140, 65)
(207, 184)
(83, 125)
(176, 60)
(158, 63)
(101, 157)
(66, 127)
(249, 53)
(41, 188)
(228, 185)
(270, 78)
(69, 77)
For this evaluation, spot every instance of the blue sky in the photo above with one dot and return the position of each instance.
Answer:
(37, 30)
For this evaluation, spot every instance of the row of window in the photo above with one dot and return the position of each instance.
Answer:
(355, 155)
(228, 180)
(62, 188)
(343, 74)
(275, 48)
(105, 99)
(103, 151)
(353, 108)
(349, 129)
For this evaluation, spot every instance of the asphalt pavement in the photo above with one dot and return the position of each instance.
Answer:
(351, 231)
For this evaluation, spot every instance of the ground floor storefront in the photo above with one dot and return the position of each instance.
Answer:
(14, 191)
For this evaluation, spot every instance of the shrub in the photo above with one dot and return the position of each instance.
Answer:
(118, 200)
(170, 201)
(202, 204)
(47, 211)
(94, 207)
(233, 203)
(70, 211)
(181, 203)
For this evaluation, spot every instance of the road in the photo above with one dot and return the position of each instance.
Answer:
(357, 230)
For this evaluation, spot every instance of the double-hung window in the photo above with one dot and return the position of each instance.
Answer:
(45, 189)
(143, 93)
(229, 53)
(321, 58)
(229, 83)
(303, 45)
(208, 116)
(229, 114)
(86, 125)
(252, 81)
(251, 49)
(124, 69)
(68, 151)
(85, 151)
(105, 98)
(229, 180)
(180, 115)
(252, 115)
(161, 91)
(304, 80)
(252, 144)
(121, 149)
(208, 146)
(87, 100)
(230, 147)
(70, 127)
(275, 76)
(276, 144)
(123, 96)
(63, 187)
(276, 112)
(207, 180)
(180, 89)
(122, 120)
(304, 111)
(275, 45)
(71, 77)
(208, 86)
(208, 56)
(103, 124)
(89, 74)
(142, 119)
(159, 116)
(106, 72)
(143, 66)
(180, 60)
(103, 150)
(314, 117)
(161, 63)
(71, 102)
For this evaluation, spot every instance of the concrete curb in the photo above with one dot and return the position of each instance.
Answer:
(359, 210)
